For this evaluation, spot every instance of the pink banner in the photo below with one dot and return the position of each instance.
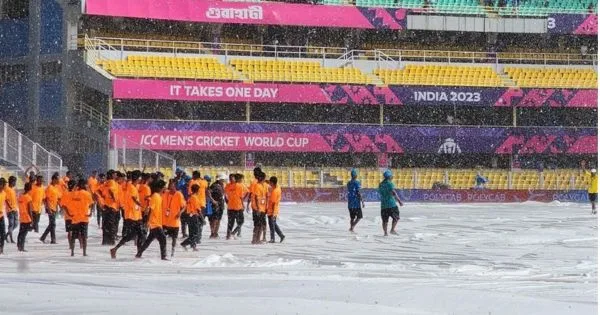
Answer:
(438, 196)
(224, 141)
(218, 91)
(350, 94)
(273, 13)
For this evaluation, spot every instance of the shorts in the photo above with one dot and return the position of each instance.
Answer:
(394, 213)
(171, 231)
(593, 197)
(216, 215)
(355, 213)
(68, 225)
(79, 229)
(259, 218)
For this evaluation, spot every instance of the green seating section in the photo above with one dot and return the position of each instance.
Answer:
(390, 3)
(503, 7)
(543, 7)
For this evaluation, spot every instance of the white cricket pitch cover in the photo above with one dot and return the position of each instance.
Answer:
(529, 258)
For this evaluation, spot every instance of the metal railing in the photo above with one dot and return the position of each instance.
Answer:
(100, 45)
(127, 155)
(91, 113)
(400, 55)
(175, 48)
(24, 155)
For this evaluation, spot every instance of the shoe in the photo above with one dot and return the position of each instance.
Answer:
(138, 256)
(393, 232)
(72, 254)
(43, 241)
(113, 253)
(53, 242)
(282, 238)
(164, 258)
(272, 241)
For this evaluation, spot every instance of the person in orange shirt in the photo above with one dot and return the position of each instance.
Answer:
(273, 210)
(37, 198)
(194, 212)
(65, 203)
(110, 194)
(97, 194)
(184, 218)
(92, 184)
(2, 210)
(234, 193)
(251, 201)
(132, 215)
(80, 210)
(11, 207)
(155, 214)
(144, 193)
(51, 202)
(260, 199)
(26, 215)
(122, 180)
(173, 206)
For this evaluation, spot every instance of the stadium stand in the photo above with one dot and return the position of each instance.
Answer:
(553, 77)
(297, 71)
(441, 75)
(332, 177)
(169, 67)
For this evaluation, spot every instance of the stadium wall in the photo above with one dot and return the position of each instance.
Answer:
(277, 13)
(304, 195)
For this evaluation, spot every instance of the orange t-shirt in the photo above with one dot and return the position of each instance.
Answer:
(92, 184)
(111, 186)
(24, 202)
(193, 205)
(2, 203)
(202, 192)
(172, 205)
(122, 193)
(130, 208)
(251, 190)
(98, 193)
(37, 197)
(144, 194)
(66, 201)
(191, 183)
(235, 194)
(81, 201)
(156, 212)
(53, 194)
(260, 196)
(274, 200)
(11, 199)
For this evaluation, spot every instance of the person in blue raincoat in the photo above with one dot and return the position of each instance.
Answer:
(181, 184)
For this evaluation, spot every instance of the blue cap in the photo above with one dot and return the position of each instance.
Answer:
(207, 178)
(387, 174)
(354, 173)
